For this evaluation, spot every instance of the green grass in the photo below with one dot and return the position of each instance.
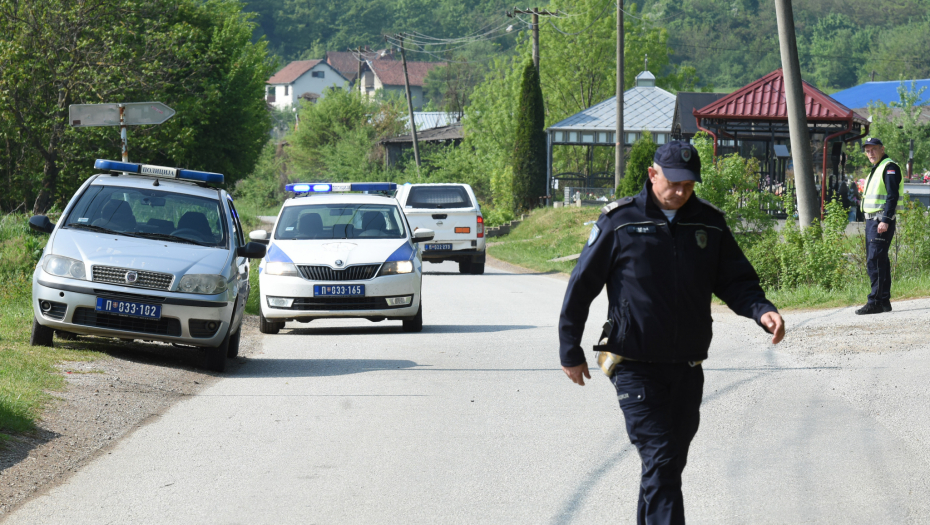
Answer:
(556, 232)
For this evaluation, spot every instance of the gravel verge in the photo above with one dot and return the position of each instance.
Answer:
(104, 401)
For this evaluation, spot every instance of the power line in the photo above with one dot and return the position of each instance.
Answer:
(715, 48)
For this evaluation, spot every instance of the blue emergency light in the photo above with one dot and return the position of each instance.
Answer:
(326, 187)
(159, 171)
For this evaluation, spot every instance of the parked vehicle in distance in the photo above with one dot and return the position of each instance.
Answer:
(333, 253)
(145, 252)
(452, 212)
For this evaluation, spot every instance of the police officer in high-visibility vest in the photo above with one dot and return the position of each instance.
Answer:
(662, 255)
(879, 201)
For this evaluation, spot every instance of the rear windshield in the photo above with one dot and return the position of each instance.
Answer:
(438, 197)
(341, 221)
(149, 213)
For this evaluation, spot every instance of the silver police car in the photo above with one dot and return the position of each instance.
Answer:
(146, 252)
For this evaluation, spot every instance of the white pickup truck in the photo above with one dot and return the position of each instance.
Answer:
(453, 213)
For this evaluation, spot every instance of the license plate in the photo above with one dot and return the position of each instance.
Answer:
(130, 308)
(339, 289)
(438, 246)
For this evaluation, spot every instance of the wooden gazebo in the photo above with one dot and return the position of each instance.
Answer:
(757, 115)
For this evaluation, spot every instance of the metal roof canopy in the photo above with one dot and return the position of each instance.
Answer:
(758, 111)
(864, 94)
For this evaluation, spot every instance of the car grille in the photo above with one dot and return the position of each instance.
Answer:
(90, 317)
(360, 272)
(56, 312)
(342, 303)
(151, 280)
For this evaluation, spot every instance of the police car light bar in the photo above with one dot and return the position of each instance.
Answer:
(159, 171)
(312, 187)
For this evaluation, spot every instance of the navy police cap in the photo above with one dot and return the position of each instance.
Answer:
(679, 161)
(873, 141)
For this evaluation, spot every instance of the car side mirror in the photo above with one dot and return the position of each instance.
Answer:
(259, 236)
(252, 250)
(41, 224)
(423, 235)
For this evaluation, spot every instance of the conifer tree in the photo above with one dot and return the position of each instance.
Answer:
(637, 166)
(529, 151)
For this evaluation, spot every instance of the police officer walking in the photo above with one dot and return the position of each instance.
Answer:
(878, 204)
(661, 255)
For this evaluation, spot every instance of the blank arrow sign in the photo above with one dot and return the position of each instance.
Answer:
(134, 114)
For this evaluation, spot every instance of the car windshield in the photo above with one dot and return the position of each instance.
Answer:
(341, 221)
(162, 215)
(438, 197)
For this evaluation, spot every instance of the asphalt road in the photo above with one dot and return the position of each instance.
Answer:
(472, 421)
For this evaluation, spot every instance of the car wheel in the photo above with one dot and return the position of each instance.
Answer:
(268, 327)
(415, 323)
(215, 358)
(476, 269)
(41, 335)
(233, 349)
(465, 266)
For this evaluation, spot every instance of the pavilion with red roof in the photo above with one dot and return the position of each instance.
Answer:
(755, 117)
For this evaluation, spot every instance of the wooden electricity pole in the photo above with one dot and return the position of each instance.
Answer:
(536, 12)
(797, 116)
(620, 143)
(413, 123)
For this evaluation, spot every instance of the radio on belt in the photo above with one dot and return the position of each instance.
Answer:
(163, 172)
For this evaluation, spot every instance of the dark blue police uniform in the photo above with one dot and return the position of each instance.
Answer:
(660, 276)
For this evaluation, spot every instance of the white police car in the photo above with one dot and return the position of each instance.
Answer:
(145, 252)
(338, 254)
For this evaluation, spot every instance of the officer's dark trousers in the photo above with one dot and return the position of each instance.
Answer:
(661, 404)
(877, 264)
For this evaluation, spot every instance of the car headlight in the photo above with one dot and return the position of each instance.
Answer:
(64, 267)
(396, 267)
(202, 283)
(281, 268)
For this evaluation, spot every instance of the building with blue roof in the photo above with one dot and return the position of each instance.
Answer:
(887, 92)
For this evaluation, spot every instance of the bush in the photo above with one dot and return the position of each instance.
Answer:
(637, 166)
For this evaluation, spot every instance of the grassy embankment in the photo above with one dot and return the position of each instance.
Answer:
(248, 215)
(29, 375)
(551, 233)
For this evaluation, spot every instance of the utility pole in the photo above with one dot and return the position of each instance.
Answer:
(619, 146)
(797, 115)
(413, 124)
(358, 74)
(536, 12)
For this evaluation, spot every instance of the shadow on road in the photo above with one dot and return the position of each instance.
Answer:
(396, 329)
(318, 367)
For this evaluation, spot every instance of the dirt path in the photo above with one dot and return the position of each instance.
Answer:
(104, 401)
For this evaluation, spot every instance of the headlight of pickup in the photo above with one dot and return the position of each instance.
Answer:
(64, 267)
(202, 283)
(281, 268)
(396, 267)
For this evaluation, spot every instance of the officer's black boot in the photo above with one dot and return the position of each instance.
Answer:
(872, 308)
(886, 306)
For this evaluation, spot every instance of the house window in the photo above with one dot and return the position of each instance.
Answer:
(661, 138)
(573, 136)
(631, 137)
(286, 90)
(558, 136)
(318, 74)
(603, 137)
(587, 138)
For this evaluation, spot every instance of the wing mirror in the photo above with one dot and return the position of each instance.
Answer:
(259, 236)
(252, 250)
(41, 224)
(423, 235)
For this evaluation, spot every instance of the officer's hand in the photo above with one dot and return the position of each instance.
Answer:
(882, 227)
(577, 373)
(775, 325)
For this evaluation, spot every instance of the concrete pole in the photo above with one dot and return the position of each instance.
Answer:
(536, 39)
(797, 116)
(413, 123)
(619, 162)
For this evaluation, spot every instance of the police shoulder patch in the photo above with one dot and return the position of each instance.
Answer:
(616, 204)
(595, 231)
(711, 206)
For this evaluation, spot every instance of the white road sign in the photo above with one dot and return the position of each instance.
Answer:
(134, 114)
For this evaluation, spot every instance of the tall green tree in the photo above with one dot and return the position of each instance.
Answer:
(637, 167)
(529, 150)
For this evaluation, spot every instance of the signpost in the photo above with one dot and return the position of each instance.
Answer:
(122, 115)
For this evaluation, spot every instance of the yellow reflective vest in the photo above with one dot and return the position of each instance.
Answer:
(873, 201)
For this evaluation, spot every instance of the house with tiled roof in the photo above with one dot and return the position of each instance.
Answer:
(388, 75)
(310, 79)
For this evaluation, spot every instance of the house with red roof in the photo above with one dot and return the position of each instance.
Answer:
(388, 75)
(308, 79)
